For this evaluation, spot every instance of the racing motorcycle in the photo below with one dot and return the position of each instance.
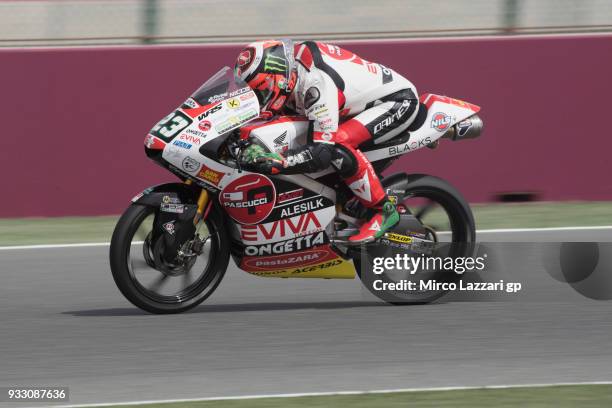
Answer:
(171, 247)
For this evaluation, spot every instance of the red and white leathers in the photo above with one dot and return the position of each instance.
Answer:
(351, 101)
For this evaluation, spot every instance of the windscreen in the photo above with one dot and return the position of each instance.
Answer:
(218, 87)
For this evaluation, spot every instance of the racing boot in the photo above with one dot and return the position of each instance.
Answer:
(376, 227)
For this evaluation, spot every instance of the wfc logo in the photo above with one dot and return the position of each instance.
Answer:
(274, 64)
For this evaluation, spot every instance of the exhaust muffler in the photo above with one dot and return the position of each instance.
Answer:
(469, 128)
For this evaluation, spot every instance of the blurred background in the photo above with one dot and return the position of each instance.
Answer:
(63, 22)
(84, 80)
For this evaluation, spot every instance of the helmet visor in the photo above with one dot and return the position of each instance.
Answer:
(263, 86)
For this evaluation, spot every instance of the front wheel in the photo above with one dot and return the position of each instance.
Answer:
(155, 285)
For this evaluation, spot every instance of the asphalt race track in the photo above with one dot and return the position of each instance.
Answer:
(64, 323)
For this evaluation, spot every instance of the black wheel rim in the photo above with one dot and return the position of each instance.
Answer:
(162, 287)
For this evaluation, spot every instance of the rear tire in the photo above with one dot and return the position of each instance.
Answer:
(120, 247)
(462, 227)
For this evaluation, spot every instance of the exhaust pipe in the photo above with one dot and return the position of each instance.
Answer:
(469, 128)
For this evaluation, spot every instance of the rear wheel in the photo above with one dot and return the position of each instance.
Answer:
(152, 283)
(448, 230)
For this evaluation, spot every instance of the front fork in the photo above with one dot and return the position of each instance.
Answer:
(203, 204)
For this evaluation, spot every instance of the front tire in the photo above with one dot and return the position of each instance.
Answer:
(122, 264)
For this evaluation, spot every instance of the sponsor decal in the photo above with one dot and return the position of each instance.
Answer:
(280, 142)
(190, 165)
(235, 121)
(190, 139)
(463, 127)
(290, 195)
(300, 259)
(204, 126)
(417, 144)
(209, 112)
(169, 199)
(316, 267)
(387, 75)
(336, 52)
(233, 103)
(319, 110)
(195, 132)
(172, 208)
(249, 199)
(441, 121)
(247, 115)
(182, 144)
(190, 103)
(287, 227)
(217, 98)
(169, 227)
(337, 163)
(239, 91)
(391, 119)
(210, 175)
(300, 208)
(327, 136)
(151, 142)
(224, 126)
(404, 239)
(361, 187)
(283, 247)
(245, 58)
(274, 64)
(141, 194)
(301, 157)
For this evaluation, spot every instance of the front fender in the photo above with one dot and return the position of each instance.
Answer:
(168, 192)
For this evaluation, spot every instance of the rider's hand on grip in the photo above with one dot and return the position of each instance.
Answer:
(257, 159)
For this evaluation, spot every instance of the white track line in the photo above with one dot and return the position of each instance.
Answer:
(333, 393)
(511, 230)
(486, 231)
(53, 246)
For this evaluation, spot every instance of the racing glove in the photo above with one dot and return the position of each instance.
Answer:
(261, 161)
(309, 158)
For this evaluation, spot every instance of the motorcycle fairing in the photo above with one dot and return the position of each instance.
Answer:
(337, 268)
(303, 209)
(442, 113)
(293, 240)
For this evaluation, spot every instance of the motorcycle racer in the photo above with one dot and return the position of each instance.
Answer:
(348, 100)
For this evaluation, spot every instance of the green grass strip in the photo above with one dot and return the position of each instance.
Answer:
(583, 396)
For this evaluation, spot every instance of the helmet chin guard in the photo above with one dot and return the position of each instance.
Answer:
(269, 69)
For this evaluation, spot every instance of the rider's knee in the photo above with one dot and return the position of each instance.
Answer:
(344, 161)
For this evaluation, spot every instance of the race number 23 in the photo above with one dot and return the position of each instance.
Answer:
(171, 125)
